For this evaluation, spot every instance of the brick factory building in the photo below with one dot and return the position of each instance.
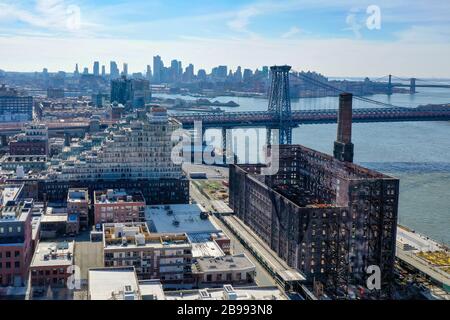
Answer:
(323, 215)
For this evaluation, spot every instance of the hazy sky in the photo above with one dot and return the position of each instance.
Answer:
(334, 37)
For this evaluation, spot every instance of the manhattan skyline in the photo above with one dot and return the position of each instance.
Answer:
(411, 39)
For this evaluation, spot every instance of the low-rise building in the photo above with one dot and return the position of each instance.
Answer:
(167, 257)
(78, 207)
(115, 206)
(53, 223)
(122, 283)
(119, 283)
(51, 264)
(16, 249)
(228, 292)
(236, 270)
(33, 141)
(206, 237)
(27, 162)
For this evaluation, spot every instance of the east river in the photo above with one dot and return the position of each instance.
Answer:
(418, 153)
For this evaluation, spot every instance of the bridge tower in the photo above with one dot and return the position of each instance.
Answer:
(412, 86)
(280, 104)
(390, 85)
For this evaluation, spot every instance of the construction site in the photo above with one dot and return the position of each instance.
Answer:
(323, 215)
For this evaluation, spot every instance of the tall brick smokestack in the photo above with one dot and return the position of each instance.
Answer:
(343, 146)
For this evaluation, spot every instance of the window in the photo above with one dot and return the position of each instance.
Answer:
(8, 254)
(8, 265)
(2, 230)
(16, 254)
(17, 264)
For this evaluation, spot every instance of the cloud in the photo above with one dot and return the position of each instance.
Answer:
(425, 34)
(291, 32)
(52, 15)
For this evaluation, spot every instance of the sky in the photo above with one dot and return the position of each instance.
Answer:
(406, 38)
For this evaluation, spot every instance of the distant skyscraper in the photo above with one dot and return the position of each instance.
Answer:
(220, 72)
(238, 74)
(189, 73)
(148, 74)
(103, 71)
(201, 75)
(113, 70)
(158, 66)
(248, 73)
(76, 72)
(96, 68)
(130, 92)
(86, 70)
(174, 70)
(265, 71)
(125, 69)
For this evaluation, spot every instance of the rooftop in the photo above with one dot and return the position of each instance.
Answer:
(16, 211)
(117, 196)
(54, 218)
(53, 254)
(136, 234)
(151, 290)
(10, 193)
(77, 195)
(203, 246)
(226, 263)
(178, 218)
(107, 283)
(228, 293)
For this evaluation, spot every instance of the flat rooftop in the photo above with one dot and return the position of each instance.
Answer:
(224, 264)
(117, 196)
(53, 254)
(241, 293)
(203, 246)
(104, 281)
(16, 211)
(178, 218)
(151, 290)
(77, 195)
(54, 218)
(136, 234)
(9, 193)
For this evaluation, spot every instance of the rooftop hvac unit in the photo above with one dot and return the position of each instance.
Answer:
(204, 294)
(128, 293)
(139, 239)
(110, 193)
(229, 293)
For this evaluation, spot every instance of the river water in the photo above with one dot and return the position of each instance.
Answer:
(418, 153)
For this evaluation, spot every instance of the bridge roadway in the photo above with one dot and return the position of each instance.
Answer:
(266, 119)
(11, 128)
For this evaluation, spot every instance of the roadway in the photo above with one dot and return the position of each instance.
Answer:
(263, 278)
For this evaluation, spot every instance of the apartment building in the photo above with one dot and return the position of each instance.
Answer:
(166, 256)
(118, 206)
